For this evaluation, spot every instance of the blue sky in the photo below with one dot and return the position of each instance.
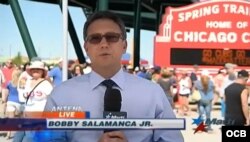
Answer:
(44, 22)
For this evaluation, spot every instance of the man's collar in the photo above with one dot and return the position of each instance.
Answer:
(95, 79)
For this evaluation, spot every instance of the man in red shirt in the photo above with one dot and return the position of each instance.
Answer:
(7, 72)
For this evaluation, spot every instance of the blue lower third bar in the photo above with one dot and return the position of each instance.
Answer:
(15, 124)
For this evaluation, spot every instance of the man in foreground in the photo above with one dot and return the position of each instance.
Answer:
(105, 42)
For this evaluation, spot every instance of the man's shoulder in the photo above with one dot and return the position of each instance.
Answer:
(231, 85)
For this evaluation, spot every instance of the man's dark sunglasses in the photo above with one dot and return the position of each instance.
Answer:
(110, 37)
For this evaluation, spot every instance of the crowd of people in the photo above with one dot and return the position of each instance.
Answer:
(221, 88)
(155, 92)
(26, 89)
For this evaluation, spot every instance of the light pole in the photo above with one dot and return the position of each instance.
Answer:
(10, 50)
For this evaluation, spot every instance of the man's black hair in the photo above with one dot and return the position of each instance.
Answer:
(104, 15)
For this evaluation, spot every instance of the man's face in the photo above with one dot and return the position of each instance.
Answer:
(36, 73)
(106, 52)
(60, 64)
(9, 64)
(230, 70)
(196, 69)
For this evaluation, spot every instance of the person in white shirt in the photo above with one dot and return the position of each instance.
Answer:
(38, 89)
(229, 79)
(185, 85)
(23, 80)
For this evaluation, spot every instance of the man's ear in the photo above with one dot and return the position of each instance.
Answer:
(85, 47)
(125, 46)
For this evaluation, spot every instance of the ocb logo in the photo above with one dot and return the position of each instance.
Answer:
(236, 133)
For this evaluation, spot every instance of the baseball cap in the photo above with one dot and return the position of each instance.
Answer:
(195, 66)
(243, 73)
(230, 65)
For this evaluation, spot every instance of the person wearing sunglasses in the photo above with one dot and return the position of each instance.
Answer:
(105, 41)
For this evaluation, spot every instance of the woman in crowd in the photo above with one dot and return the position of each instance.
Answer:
(166, 82)
(78, 70)
(185, 85)
(218, 84)
(36, 92)
(22, 81)
(38, 89)
(13, 105)
(206, 88)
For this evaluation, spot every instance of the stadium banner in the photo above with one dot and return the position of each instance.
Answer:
(212, 33)
(7, 124)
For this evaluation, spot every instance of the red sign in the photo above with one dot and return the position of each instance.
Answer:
(212, 34)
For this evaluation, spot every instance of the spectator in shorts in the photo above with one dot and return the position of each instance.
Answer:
(218, 84)
(13, 105)
(185, 85)
(7, 72)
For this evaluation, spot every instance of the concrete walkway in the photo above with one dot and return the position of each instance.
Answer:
(210, 136)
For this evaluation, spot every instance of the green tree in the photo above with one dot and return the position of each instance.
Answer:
(18, 59)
